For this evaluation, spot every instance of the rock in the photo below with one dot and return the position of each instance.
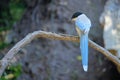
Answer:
(110, 19)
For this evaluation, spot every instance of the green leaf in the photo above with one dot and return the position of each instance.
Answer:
(79, 58)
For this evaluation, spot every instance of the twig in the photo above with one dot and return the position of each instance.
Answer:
(38, 34)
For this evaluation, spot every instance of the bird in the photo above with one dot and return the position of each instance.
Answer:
(82, 25)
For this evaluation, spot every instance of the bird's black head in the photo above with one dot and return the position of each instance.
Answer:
(76, 14)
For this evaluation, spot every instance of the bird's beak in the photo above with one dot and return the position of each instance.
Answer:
(73, 19)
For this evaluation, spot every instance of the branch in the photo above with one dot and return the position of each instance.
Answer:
(42, 34)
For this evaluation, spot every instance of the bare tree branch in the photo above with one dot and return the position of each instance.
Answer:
(42, 34)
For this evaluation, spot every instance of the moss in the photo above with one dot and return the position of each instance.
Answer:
(12, 72)
(4, 28)
(17, 8)
(10, 16)
(3, 45)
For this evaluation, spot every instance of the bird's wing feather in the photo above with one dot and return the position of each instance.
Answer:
(80, 25)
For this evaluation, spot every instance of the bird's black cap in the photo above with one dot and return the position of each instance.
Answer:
(76, 14)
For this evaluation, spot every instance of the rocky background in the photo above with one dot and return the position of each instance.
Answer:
(46, 59)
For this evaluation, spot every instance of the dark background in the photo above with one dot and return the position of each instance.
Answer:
(46, 59)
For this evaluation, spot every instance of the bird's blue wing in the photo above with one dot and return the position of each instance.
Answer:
(83, 26)
(80, 25)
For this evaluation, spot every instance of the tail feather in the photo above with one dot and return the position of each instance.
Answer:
(84, 50)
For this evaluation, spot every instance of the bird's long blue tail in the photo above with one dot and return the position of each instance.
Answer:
(84, 50)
